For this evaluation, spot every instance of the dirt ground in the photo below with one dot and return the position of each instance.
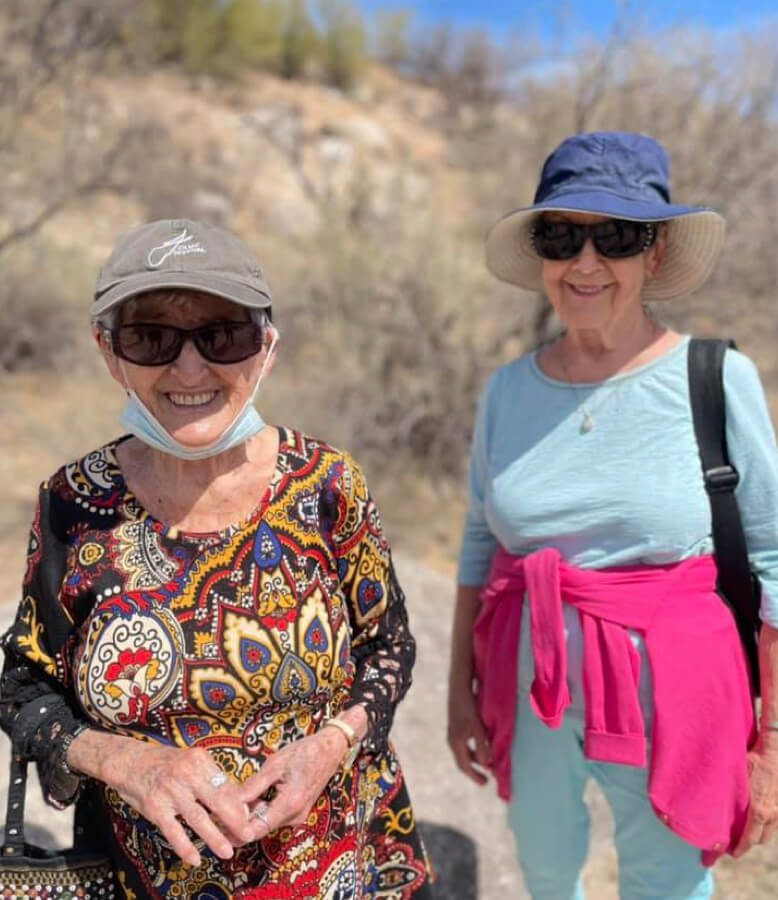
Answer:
(464, 825)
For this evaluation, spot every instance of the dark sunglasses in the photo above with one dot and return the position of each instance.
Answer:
(614, 238)
(151, 344)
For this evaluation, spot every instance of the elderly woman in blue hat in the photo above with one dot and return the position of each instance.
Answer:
(211, 640)
(589, 638)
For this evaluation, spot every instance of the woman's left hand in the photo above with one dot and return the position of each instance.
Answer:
(298, 773)
(762, 820)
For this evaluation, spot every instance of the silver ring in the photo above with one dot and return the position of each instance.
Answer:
(218, 779)
(260, 812)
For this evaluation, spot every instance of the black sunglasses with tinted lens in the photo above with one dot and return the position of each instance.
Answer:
(153, 344)
(613, 238)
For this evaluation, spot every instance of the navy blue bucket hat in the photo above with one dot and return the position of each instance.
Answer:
(623, 176)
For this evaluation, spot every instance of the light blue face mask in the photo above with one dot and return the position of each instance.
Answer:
(140, 421)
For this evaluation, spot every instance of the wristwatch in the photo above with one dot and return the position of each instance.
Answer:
(354, 744)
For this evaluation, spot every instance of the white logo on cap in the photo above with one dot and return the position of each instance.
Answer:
(180, 245)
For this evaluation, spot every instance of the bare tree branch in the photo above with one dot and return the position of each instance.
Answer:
(100, 180)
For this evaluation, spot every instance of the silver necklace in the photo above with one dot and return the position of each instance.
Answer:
(588, 413)
(588, 418)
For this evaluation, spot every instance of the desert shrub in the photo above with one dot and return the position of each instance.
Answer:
(216, 38)
(467, 66)
(398, 325)
(44, 301)
(344, 42)
(190, 32)
(229, 38)
(299, 40)
(391, 38)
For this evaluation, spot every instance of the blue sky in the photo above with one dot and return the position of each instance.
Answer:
(594, 17)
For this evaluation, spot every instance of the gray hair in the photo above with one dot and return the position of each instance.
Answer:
(108, 320)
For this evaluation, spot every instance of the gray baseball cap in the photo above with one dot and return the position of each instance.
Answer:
(180, 253)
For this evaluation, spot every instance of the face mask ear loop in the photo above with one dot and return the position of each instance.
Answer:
(262, 371)
(126, 383)
(268, 355)
(152, 419)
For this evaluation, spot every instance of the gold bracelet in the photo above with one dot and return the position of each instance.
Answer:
(354, 743)
(344, 728)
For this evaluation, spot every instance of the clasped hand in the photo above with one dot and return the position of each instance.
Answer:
(172, 787)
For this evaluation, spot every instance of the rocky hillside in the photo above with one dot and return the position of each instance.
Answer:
(266, 157)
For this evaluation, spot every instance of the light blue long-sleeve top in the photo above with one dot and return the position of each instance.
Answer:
(629, 490)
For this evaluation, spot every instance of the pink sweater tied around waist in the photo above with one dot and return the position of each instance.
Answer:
(703, 709)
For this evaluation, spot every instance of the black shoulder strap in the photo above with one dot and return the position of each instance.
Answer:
(706, 393)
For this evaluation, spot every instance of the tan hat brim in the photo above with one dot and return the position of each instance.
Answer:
(694, 243)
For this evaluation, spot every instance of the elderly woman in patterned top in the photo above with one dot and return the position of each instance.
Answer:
(211, 640)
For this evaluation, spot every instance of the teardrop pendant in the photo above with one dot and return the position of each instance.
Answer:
(587, 423)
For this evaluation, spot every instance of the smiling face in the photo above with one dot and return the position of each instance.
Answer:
(593, 292)
(194, 399)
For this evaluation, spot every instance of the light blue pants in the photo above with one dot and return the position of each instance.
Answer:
(551, 821)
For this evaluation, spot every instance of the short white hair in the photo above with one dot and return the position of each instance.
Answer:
(108, 320)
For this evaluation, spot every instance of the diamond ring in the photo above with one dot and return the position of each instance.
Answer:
(260, 812)
(218, 779)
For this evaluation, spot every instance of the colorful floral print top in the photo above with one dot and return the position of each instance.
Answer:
(238, 642)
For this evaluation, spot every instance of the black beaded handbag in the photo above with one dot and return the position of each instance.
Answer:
(34, 873)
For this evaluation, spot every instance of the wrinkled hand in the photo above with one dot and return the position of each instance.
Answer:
(762, 821)
(297, 775)
(466, 734)
(170, 786)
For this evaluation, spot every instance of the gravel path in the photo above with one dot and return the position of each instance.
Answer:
(464, 825)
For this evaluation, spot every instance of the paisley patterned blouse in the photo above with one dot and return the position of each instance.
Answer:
(238, 642)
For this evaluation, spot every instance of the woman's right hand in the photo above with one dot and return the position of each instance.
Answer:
(169, 786)
(466, 735)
